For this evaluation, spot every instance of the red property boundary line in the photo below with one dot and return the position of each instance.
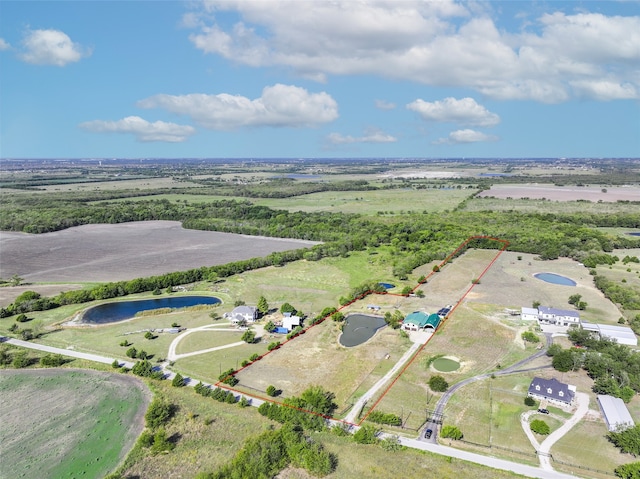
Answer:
(459, 249)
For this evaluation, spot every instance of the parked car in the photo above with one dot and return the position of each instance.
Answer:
(543, 411)
(428, 433)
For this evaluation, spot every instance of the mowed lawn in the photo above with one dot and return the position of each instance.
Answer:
(68, 423)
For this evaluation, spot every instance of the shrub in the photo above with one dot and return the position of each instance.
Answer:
(249, 336)
(540, 427)
(380, 417)
(244, 402)
(438, 384)
(245, 362)
(178, 381)
(254, 357)
(272, 391)
(530, 337)
(115, 364)
(52, 360)
(22, 318)
(125, 343)
(274, 345)
(20, 360)
(158, 414)
(529, 401)
(149, 335)
(451, 432)
(175, 325)
(161, 443)
(367, 434)
(132, 352)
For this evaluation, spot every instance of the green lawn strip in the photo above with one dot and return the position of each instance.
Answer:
(206, 339)
(369, 461)
(586, 445)
(208, 366)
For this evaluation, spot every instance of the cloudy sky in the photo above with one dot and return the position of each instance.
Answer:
(307, 78)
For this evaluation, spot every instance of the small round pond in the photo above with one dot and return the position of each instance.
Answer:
(555, 279)
(387, 285)
(446, 365)
(121, 310)
(634, 233)
(359, 328)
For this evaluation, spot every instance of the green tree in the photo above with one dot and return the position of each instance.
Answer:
(263, 306)
(271, 390)
(115, 364)
(536, 304)
(149, 335)
(287, 308)
(249, 336)
(161, 443)
(529, 401)
(20, 360)
(269, 327)
(178, 381)
(575, 298)
(132, 352)
(451, 432)
(540, 427)
(158, 414)
(52, 360)
(563, 361)
(337, 317)
(628, 471)
(367, 434)
(530, 337)
(22, 318)
(438, 383)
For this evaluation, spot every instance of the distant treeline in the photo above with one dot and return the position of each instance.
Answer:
(414, 239)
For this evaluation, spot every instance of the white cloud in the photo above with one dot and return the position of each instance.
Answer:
(370, 136)
(279, 105)
(142, 129)
(51, 47)
(464, 111)
(384, 105)
(4, 45)
(465, 136)
(439, 43)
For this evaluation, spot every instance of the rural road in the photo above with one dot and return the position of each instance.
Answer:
(357, 407)
(529, 471)
(544, 448)
(514, 368)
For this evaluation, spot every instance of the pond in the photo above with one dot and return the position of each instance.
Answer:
(555, 279)
(446, 365)
(121, 310)
(634, 234)
(359, 328)
(387, 285)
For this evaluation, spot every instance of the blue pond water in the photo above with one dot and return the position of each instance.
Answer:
(555, 279)
(121, 310)
(634, 234)
(387, 285)
(360, 328)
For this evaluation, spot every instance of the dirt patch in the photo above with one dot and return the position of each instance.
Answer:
(73, 420)
(102, 253)
(9, 293)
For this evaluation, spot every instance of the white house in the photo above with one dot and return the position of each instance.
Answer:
(290, 322)
(559, 317)
(552, 390)
(529, 314)
(243, 313)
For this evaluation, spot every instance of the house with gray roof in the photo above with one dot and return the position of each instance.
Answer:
(559, 317)
(243, 313)
(552, 391)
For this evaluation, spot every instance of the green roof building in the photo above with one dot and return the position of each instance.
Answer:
(419, 320)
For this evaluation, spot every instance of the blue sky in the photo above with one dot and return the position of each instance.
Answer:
(434, 79)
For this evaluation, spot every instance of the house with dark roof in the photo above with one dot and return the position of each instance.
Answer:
(552, 391)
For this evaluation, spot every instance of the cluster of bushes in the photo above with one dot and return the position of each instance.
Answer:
(615, 368)
(272, 451)
(530, 337)
(394, 320)
(309, 410)
(628, 298)
(228, 377)
(145, 369)
(540, 427)
(451, 432)
(220, 395)
(295, 332)
(380, 417)
(596, 259)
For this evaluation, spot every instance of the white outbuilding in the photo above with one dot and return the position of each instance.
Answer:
(619, 334)
(615, 413)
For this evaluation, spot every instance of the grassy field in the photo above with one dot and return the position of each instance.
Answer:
(548, 206)
(399, 200)
(90, 421)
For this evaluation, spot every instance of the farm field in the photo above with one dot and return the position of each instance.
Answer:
(565, 193)
(102, 253)
(89, 422)
(399, 200)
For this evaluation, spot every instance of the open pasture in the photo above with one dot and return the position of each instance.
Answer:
(548, 206)
(68, 423)
(104, 252)
(316, 358)
(401, 200)
(565, 193)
